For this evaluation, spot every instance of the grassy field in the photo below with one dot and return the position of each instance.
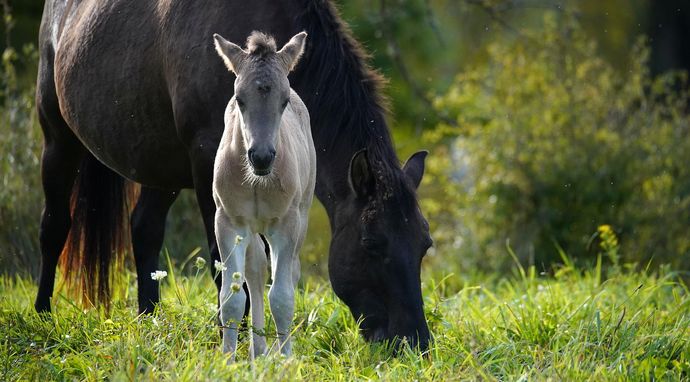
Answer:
(572, 325)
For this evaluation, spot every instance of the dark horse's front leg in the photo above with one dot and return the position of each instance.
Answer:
(148, 230)
(202, 154)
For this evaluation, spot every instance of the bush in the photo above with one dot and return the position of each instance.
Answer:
(21, 199)
(553, 142)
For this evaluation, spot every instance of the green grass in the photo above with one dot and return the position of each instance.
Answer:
(572, 325)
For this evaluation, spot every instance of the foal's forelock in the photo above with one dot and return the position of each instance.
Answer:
(261, 44)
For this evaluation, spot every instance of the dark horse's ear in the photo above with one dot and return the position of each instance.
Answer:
(414, 167)
(232, 54)
(362, 179)
(292, 51)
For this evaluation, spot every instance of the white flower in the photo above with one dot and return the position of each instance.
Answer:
(200, 262)
(236, 276)
(158, 275)
(235, 287)
(238, 239)
(220, 267)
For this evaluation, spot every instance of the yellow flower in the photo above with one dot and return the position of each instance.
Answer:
(605, 228)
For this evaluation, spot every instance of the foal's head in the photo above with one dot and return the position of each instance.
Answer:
(262, 91)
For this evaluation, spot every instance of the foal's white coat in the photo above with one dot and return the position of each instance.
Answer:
(276, 206)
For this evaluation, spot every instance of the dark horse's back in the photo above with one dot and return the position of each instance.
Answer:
(147, 69)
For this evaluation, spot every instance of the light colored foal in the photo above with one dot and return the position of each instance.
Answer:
(263, 183)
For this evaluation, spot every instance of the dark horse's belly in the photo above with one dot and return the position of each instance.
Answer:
(114, 97)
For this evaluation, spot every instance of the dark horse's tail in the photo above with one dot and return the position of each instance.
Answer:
(99, 235)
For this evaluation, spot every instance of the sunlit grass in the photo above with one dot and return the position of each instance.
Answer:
(574, 325)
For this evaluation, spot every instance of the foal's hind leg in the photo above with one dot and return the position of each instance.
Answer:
(62, 155)
(148, 230)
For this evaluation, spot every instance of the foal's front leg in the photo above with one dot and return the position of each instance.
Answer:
(281, 296)
(232, 254)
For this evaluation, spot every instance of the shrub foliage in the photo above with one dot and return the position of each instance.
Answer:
(551, 142)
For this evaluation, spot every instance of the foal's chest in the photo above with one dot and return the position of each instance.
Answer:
(256, 207)
(248, 201)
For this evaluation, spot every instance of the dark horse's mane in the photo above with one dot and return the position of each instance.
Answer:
(349, 100)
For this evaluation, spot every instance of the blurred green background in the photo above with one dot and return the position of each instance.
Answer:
(548, 122)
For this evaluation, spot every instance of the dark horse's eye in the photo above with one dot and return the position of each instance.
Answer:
(368, 243)
(374, 246)
(285, 103)
(240, 103)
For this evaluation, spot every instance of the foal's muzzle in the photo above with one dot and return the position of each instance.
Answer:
(261, 160)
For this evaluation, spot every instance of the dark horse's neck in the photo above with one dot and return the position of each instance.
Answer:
(343, 96)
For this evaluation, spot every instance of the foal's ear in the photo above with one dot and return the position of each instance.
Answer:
(231, 53)
(414, 167)
(292, 51)
(362, 179)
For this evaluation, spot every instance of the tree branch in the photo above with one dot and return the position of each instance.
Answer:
(394, 52)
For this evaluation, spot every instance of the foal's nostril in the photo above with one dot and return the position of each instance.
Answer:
(261, 160)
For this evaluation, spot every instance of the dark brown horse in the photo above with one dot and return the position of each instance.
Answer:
(135, 90)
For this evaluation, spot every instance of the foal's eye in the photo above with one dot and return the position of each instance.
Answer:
(285, 103)
(240, 103)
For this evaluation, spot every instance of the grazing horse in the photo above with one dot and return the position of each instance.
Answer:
(263, 183)
(135, 90)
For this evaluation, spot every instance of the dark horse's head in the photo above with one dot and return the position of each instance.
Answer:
(375, 264)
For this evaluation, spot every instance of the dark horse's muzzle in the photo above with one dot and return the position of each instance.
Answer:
(399, 329)
(417, 336)
(261, 159)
